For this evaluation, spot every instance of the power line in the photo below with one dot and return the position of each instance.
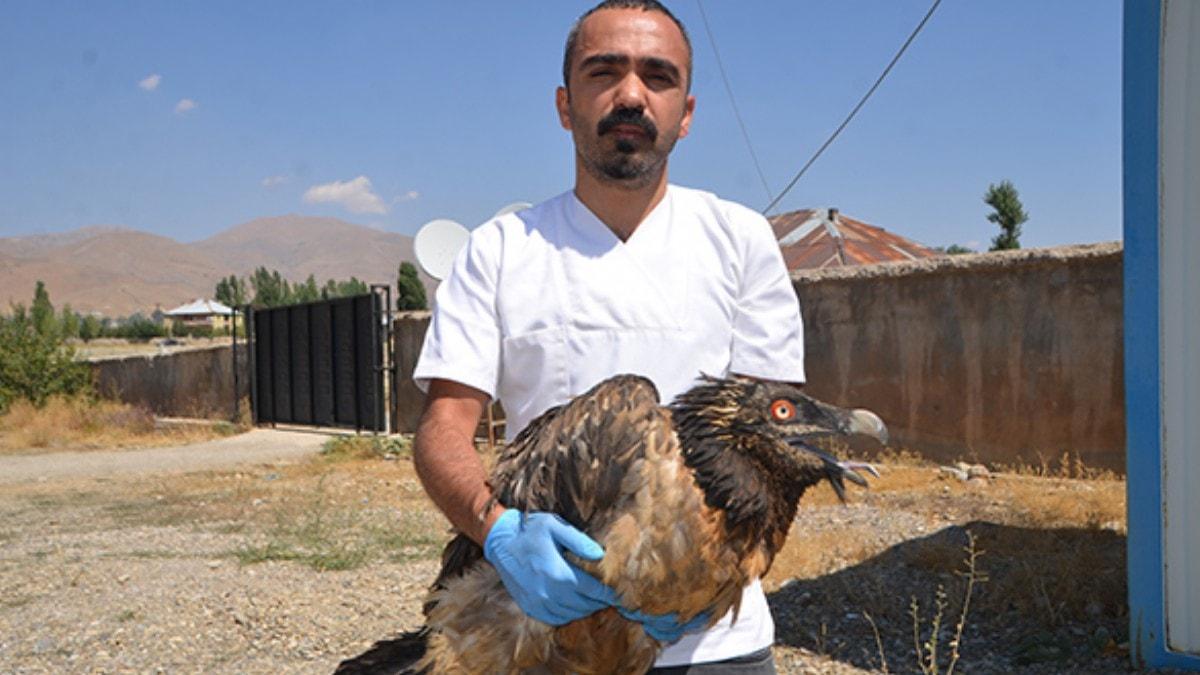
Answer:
(733, 101)
(854, 112)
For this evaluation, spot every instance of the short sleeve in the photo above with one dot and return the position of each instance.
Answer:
(768, 333)
(463, 340)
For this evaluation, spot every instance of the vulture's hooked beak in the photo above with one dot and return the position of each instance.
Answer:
(855, 422)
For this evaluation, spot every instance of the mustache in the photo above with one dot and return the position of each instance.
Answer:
(630, 116)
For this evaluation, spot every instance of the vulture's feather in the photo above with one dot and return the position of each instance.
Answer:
(690, 501)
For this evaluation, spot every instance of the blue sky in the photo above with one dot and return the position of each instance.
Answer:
(446, 109)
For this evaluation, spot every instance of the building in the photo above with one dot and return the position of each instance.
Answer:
(819, 238)
(1161, 118)
(201, 313)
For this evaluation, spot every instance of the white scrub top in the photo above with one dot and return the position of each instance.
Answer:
(544, 303)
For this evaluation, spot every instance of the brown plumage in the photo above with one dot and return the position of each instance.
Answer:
(691, 502)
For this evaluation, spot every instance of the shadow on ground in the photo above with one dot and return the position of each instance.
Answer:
(1044, 600)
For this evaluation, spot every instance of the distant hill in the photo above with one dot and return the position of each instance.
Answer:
(118, 271)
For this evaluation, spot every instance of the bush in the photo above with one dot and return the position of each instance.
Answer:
(36, 366)
(140, 328)
(366, 447)
(195, 331)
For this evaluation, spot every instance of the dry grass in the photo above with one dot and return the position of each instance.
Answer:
(84, 424)
(1066, 465)
(330, 513)
(1054, 566)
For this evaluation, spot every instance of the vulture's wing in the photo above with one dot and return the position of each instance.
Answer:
(572, 459)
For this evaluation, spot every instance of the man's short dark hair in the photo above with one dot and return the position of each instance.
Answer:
(645, 6)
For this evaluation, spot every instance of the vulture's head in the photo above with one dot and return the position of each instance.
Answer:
(773, 425)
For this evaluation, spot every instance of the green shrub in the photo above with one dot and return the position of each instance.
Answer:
(367, 447)
(35, 366)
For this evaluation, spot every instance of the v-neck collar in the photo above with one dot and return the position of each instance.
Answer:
(592, 230)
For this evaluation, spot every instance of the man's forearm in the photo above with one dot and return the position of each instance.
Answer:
(453, 476)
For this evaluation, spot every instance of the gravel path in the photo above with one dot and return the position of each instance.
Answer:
(254, 447)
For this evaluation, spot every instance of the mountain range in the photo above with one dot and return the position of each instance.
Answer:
(116, 271)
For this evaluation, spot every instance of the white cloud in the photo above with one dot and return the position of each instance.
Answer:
(151, 82)
(274, 181)
(409, 196)
(184, 105)
(355, 195)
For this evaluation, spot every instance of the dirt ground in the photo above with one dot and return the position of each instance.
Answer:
(293, 565)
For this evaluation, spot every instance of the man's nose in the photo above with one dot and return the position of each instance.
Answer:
(630, 93)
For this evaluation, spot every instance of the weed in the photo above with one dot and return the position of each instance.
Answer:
(16, 603)
(325, 536)
(366, 447)
(883, 666)
(1068, 465)
(126, 615)
(927, 651)
(223, 428)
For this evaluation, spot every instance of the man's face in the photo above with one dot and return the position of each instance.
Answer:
(628, 103)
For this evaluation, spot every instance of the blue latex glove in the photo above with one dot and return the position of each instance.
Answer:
(665, 627)
(527, 550)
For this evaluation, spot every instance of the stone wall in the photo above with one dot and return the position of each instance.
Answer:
(191, 383)
(1008, 358)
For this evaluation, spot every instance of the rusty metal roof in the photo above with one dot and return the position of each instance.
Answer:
(816, 238)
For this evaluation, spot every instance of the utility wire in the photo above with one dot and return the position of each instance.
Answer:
(733, 101)
(854, 112)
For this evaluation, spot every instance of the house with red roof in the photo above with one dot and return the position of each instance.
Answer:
(819, 238)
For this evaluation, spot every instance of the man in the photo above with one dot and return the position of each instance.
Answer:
(625, 273)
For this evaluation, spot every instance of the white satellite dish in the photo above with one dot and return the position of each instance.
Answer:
(512, 208)
(436, 245)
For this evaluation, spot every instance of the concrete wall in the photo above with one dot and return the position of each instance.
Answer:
(192, 383)
(1005, 357)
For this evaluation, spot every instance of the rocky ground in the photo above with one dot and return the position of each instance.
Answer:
(291, 567)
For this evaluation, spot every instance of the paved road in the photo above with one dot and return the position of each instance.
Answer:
(257, 446)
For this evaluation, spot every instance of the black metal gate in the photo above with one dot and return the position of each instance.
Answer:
(321, 363)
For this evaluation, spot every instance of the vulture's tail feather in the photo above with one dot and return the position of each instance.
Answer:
(397, 656)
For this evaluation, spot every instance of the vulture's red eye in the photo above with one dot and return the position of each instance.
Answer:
(783, 410)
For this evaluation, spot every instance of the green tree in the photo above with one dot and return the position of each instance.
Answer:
(231, 291)
(352, 287)
(410, 292)
(69, 323)
(90, 327)
(42, 312)
(138, 327)
(329, 290)
(955, 249)
(1008, 213)
(35, 366)
(270, 289)
(307, 291)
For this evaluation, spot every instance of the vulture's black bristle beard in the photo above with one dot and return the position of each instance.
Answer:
(758, 493)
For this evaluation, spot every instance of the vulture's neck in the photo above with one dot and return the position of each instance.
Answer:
(759, 500)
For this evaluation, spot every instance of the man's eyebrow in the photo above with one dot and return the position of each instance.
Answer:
(608, 59)
(612, 59)
(661, 64)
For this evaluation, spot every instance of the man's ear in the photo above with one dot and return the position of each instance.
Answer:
(689, 107)
(562, 101)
